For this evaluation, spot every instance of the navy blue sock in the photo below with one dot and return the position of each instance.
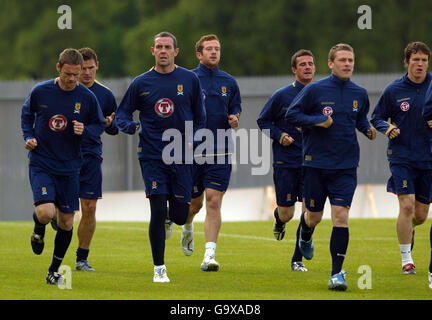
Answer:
(82, 254)
(276, 215)
(39, 228)
(338, 247)
(61, 244)
(297, 256)
(158, 214)
(306, 231)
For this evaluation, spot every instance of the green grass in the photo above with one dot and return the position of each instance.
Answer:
(253, 264)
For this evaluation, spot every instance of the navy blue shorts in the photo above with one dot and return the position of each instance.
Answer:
(406, 179)
(337, 184)
(173, 180)
(91, 178)
(63, 191)
(214, 176)
(288, 185)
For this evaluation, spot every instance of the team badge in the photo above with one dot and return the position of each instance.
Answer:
(404, 106)
(312, 203)
(77, 107)
(179, 89)
(224, 91)
(164, 107)
(355, 105)
(44, 191)
(405, 184)
(288, 197)
(154, 185)
(195, 189)
(57, 123)
(328, 111)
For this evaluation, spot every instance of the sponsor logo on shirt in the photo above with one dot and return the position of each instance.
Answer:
(404, 106)
(57, 123)
(328, 111)
(164, 107)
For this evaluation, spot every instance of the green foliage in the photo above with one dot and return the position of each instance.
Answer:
(258, 37)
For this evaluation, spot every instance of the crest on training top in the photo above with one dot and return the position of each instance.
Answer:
(77, 107)
(179, 89)
(355, 105)
(224, 91)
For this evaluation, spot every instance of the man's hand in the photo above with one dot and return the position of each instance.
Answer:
(394, 133)
(371, 133)
(233, 121)
(286, 140)
(78, 127)
(429, 123)
(109, 119)
(326, 123)
(31, 144)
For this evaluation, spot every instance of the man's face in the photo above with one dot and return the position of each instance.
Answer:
(88, 73)
(305, 69)
(69, 75)
(343, 64)
(164, 52)
(210, 55)
(417, 66)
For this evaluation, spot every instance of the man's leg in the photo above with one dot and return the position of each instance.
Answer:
(297, 258)
(158, 214)
(187, 239)
(282, 216)
(212, 225)
(61, 244)
(43, 214)
(338, 247)
(404, 229)
(86, 230)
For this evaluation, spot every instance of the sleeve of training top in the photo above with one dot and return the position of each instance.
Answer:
(362, 123)
(267, 117)
(381, 114)
(301, 113)
(113, 129)
(427, 109)
(95, 124)
(235, 100)
(124, 115)
(28, 117)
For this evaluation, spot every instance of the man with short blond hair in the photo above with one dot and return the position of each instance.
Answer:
(223, 108)
(330, 110)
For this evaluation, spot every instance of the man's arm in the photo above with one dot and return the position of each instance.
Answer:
(380, 116)
(124, 114)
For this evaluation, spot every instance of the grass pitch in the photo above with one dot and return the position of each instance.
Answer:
(254, 266)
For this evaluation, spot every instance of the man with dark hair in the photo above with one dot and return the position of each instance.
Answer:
(330, 111)
(409, 147)
(287, 149)
(223, 107)
(55, 118)
(166, 97)
(91, 170)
